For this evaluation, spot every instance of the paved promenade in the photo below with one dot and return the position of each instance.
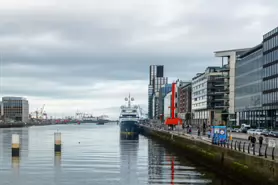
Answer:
(238, 139)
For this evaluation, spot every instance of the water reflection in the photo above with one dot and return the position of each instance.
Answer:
(16, 164)
(92, 155)
(128, 157)
(57, 159)
(165, 168)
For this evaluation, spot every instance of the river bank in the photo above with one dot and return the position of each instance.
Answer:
(243, 167)
(15, 125)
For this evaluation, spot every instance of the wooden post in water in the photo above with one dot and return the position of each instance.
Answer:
(15, 145)
(57, 142)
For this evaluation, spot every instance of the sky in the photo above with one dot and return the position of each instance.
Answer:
(87, 55)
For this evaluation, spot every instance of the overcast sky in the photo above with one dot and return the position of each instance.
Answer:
(89, 54)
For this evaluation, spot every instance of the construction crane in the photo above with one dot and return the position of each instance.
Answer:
(173, 121)
(42, 111)
(40, 114)
(45, 114)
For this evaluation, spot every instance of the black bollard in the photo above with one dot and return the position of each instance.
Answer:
(273, 153)
(265, 152)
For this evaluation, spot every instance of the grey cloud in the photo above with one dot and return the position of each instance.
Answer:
(78, 48)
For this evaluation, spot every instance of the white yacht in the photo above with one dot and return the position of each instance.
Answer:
(129, 117)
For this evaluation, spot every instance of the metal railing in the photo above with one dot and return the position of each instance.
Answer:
(262, 150)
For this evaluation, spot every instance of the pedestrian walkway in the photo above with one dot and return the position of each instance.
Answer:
(240, 144)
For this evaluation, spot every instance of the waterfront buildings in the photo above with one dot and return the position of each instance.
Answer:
(244, 89)
(209, 105)
(167, 104)
(270, 78)
(15, 109)
(257, 84)
(184, 100)
(248, 87)
(164, 90)
(229, 60)
(156, 81)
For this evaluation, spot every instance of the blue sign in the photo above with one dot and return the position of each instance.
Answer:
(219, 134)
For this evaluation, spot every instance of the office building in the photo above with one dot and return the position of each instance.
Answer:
(270, 78)
(229, 59)
(248, 87)
(15, 109)
(184, 100)
(156, 81)
(209, 104)
(164, 90)
(167, 104)
(179, 84)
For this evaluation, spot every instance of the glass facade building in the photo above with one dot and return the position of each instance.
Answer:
(15, 109)
(257, 84)
(164, 90)
(270, 77)
(248, 87)
(156, 81)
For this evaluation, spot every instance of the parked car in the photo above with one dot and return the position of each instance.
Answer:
(236, 130)
(244, 130)
(273, 133)
(265, 133)
(251, 131)
(258, 131)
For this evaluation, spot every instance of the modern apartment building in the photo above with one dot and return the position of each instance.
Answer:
(209, 104)
(248, 87)
(15, 109)
(184, 99)
(229, 59)
(270, 78)
(156, 81)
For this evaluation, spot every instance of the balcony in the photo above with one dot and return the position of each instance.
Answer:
(225, 76)
(219, 92)
(222, 98)
(225, 68)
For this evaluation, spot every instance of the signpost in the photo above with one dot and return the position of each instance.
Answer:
(219, 133)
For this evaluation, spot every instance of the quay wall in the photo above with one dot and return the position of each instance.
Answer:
(15, 125)
(242, 167)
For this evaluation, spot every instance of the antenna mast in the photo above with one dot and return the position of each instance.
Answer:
(129, 103)
(129, 99)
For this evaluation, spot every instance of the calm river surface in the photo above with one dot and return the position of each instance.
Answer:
(93, 154)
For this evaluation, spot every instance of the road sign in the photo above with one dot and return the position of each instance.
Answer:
(271, 143)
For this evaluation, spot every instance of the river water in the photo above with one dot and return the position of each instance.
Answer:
(95, 155)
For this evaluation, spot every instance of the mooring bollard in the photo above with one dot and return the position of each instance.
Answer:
(57, 140)
(15, 145)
